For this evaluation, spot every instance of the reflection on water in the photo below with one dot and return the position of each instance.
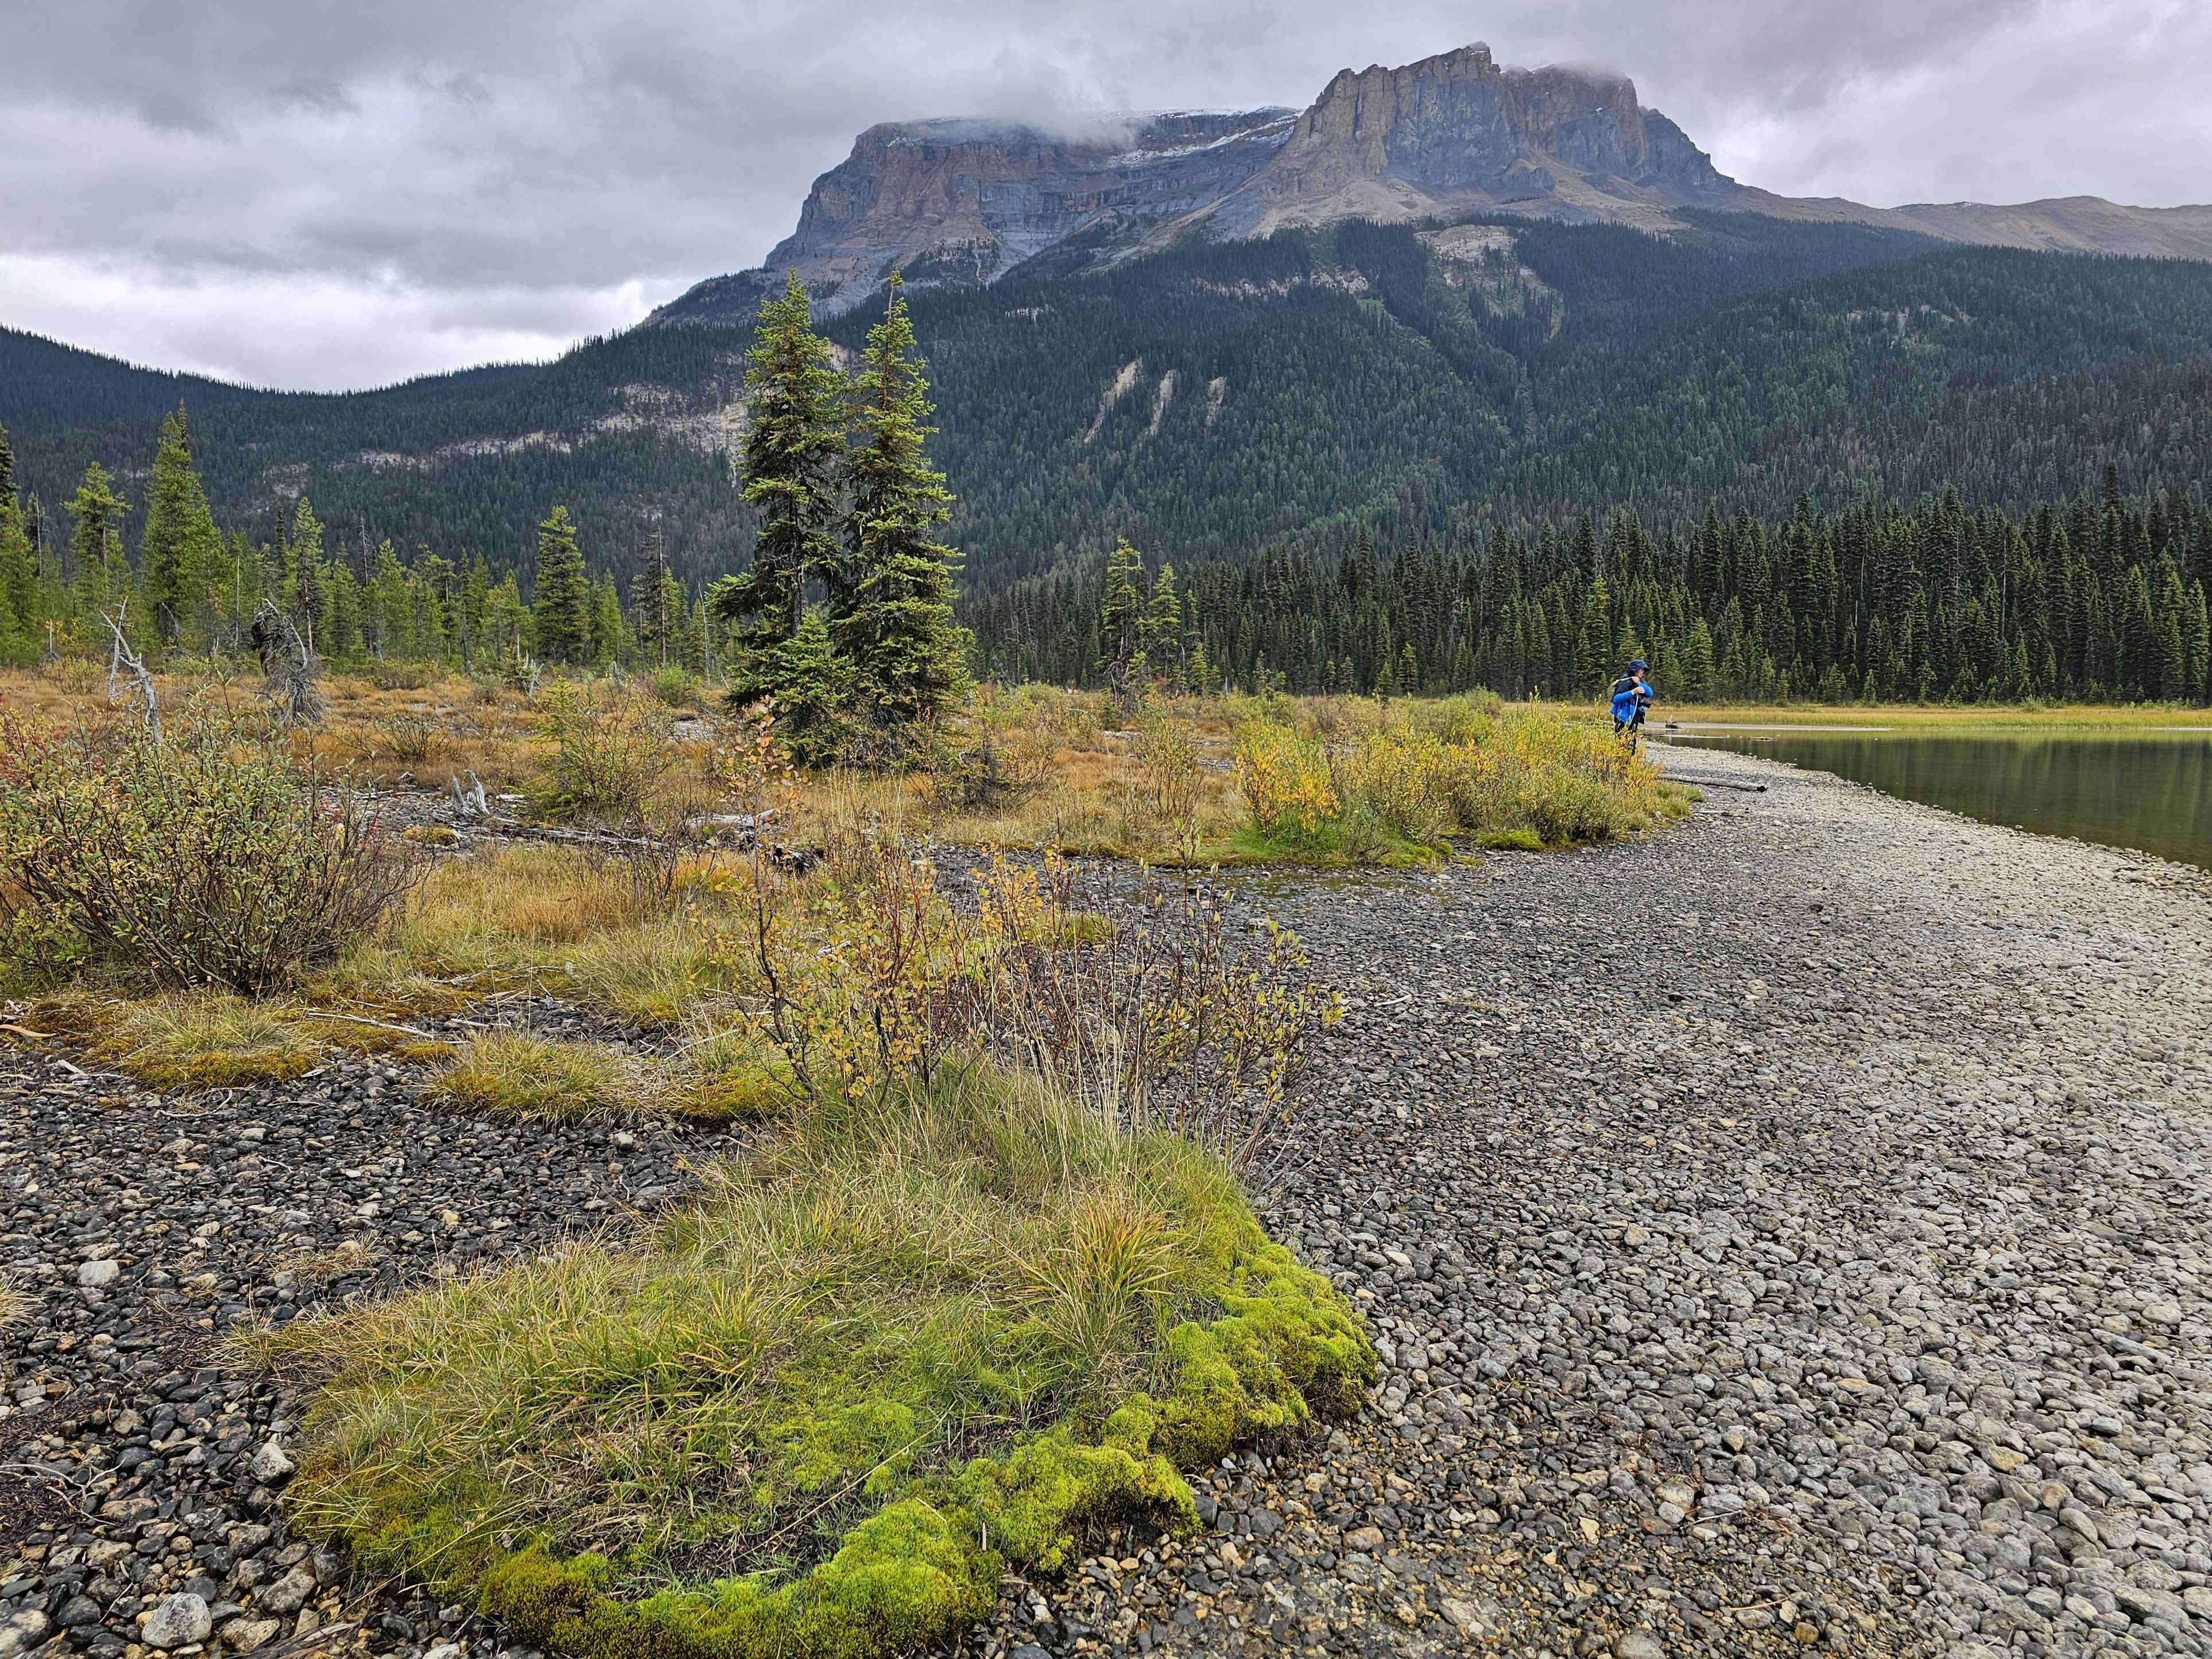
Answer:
(2152, 793)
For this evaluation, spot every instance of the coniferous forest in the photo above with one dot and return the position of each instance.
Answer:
(1776, 459)
(2097, 598)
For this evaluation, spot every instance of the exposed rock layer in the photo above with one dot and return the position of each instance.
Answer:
(1449, 138)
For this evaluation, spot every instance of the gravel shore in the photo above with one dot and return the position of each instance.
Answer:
(1784, 1233)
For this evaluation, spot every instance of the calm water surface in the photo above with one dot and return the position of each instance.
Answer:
(2152, 792)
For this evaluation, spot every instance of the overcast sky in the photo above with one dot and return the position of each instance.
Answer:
(331, 193)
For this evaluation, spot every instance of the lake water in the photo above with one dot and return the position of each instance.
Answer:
(2152, 792)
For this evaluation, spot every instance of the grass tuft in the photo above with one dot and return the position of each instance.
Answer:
(532, 917)
(913, 1344)
(515, 1074)
(194, 1041)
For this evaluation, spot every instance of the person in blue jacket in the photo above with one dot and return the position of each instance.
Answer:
(1632, 696)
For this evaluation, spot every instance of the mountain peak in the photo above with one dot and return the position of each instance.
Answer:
(1456, 133)
(1455, 137)
(965, 199)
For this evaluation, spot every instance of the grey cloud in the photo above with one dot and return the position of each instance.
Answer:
(441, 159)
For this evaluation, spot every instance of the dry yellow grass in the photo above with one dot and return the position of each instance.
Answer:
(541, 917)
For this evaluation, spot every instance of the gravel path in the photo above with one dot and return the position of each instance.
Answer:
(1783, 1233)
(1787, 1232)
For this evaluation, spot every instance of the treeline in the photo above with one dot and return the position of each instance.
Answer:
(192, 590)
(2100, 599)
(1217, 401)
(842, 622)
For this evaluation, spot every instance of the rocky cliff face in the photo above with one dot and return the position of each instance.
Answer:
(1449, 138)
(963, 201)
(1457, 134)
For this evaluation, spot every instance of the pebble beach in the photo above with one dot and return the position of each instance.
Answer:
(1784, 1233)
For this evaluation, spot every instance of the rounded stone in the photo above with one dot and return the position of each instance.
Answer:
(22, 1630)
(178, 1622)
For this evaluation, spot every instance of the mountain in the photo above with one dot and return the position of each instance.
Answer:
(965, 201)
(1443, 298)
(1456, 135)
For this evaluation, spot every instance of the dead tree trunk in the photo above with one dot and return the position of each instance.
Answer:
(121, 658)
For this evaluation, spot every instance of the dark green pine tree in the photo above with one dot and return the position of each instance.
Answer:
(469, 622)
(562, 611)
(611, 640)
(892, 610)
(306, 585)
(795, 440)
(2170, 651)
(1698, 668)
(658, 617)
(180, 548)
(1594, 651)
(20, 608)
(1163, 627)
(103, 578)
(1121, 611)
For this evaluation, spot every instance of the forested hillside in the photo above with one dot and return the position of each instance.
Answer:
(463, 464)
(2097, 598)
(1216, 403)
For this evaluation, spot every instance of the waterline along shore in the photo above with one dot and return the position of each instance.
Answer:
(1781, 1232)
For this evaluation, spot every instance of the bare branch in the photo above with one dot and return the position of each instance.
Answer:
(121, 657)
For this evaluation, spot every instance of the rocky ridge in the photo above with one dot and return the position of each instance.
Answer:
(965, 201)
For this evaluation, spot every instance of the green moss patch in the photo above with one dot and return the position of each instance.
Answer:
(914, 1345)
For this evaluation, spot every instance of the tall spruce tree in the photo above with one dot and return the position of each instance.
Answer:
(611, 643)
(562, 612)
(795, 440)
(306, 583)
(1163, 627)
(103, 578)
(891, 614)
(1121, 617)
(656, 606)
(20, 607)
(179, 549)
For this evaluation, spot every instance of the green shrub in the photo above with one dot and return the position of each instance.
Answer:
(405, 675)
(678, 688)
(212, 859)
(607, 751)
(801, 1369)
